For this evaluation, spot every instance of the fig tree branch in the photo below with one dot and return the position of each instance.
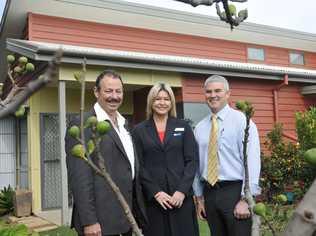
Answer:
(17, 95)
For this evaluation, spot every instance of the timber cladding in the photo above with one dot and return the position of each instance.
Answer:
(89, 34)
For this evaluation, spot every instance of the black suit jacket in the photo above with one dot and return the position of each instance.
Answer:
(94, 200)
(169, 166)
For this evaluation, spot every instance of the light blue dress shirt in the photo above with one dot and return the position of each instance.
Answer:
(232, 125)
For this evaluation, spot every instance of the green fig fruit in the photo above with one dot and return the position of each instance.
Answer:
(103, 127)
(1, 88)
(78, 151)
(281, 198)
(241, 105)
(23, 60)
(310, 156)
(243, 14)
(91, 121)
(29, 67)
(260, 209)
(90, 146)
(74, 131)
(232, 9)
(10, 59)
(20, 112)
(18, 69)
(78, 75)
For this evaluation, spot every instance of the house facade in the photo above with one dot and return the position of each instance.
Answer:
(273, 68)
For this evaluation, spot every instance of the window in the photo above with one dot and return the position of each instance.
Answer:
(195, 112)
(256, 54)
(296, 58)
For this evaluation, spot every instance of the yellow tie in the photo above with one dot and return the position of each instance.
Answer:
(212, 165)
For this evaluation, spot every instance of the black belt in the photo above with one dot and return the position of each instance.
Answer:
(221, 184)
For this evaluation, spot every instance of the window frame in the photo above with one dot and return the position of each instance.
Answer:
(256, 59)
(297, 53)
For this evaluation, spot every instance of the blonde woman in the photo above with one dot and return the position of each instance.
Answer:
(168, 160)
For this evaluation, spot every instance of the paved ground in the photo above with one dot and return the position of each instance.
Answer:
(34, 223)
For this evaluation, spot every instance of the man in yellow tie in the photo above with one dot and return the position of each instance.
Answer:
(218, 185)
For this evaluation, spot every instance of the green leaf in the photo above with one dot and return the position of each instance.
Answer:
(20, 230)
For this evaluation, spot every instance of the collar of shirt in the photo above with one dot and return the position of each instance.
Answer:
(123, 134)
(221, 115)
(102, 115)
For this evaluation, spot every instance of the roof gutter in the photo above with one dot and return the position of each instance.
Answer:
(98, 56)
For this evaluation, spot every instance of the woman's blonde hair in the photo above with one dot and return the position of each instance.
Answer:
(153, 93)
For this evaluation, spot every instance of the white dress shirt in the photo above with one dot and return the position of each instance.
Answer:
(123, 134)
(232, 125)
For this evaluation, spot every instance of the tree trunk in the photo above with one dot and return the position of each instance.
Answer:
(303, 221)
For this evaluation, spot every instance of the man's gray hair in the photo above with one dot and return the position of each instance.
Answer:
(217, 78)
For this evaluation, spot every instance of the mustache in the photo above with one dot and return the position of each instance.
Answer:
(117, 100)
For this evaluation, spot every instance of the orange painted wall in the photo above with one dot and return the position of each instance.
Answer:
(83, 33)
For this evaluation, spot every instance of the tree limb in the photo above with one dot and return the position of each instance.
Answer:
(196, 3)
(17, 96)
(255, 230)
(303, 221)
(225, 16)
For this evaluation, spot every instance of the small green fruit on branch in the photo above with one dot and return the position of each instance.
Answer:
(78, 151)
(310, 156)
(18, 95)
(229, 15)
(10, 59)
(260, 209)
(99, 129)
(74, 131)
(281, 198)
(248, 110)
(103, 127)
(20, 112)
(91, 122)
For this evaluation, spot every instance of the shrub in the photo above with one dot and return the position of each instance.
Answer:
(14, 229)
(62, 230)
(306, 129)
(6, 200)
(284, 168)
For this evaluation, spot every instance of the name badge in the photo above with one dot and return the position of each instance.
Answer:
(179, 129)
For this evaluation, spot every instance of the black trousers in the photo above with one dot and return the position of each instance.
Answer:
(220, 201)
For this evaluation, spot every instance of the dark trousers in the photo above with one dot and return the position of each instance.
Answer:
(220, 202)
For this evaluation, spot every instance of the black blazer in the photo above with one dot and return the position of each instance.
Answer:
(94, 201)
(169, 166)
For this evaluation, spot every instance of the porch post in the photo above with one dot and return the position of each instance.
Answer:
(62, 132)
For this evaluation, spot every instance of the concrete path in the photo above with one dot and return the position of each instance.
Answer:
(34, 223)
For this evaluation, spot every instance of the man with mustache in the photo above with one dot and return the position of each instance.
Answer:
(96, 210)
(218, 184)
